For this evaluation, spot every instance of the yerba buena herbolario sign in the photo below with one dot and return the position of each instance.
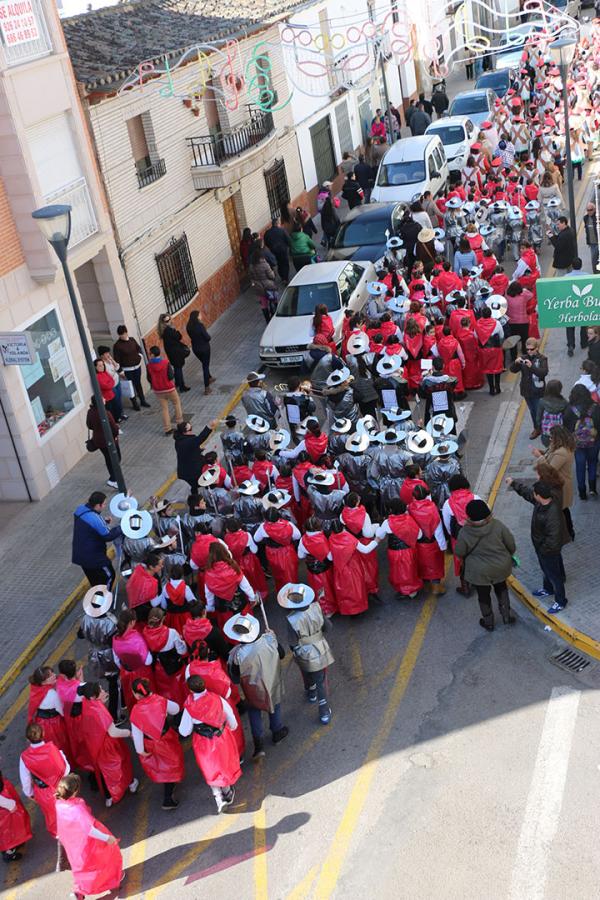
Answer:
(568, 301)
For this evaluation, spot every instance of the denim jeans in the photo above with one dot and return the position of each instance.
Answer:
(532, 406)
(316, 680)
(553, 571)
(256, 723)
(178, 377)
(586, 459)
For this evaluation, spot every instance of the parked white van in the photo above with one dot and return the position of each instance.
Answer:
(409, 168)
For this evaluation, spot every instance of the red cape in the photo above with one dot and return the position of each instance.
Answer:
(97, 866)
(15, 826)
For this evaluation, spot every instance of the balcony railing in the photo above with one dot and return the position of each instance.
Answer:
(215, 149)
(29, 39)
(83, 219)
(151, 173)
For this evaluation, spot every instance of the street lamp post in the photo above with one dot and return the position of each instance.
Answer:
(55, 224)
(562, 51)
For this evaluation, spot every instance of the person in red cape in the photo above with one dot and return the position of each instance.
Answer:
(203, 539)
(144, 585)
(285, 482)
(227, 589)
(432, 543)
(490, 336)
(41, 766)
(212, 721)
(67, 685)
(45, 707)
(244, 551)
(300, 471)
(356, 520)
(348, 572)
(448, 281)
(155, 739)
(402, 533)
(131, 655)
(106, 745)
(499, 281)
(282, 557)
(213, 673)
(201, 628)
(92, 850)
(168, 649)
(472, 374)
(322, 324)
(413, 344)
(454, 516)
(314, 550)
(15, 825)
(263, 470)
(450, 351)
(176, 599)
(315, 441)
(412, 480)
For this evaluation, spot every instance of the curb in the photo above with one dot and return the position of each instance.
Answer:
(13, 672)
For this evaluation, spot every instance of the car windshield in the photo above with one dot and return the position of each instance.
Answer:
(301, 299)
(411, 172)
(463, 106)
(449, 134)
(493, 80)
(362, 231)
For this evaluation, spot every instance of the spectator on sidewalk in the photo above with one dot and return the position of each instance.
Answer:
(116, 372)
(486, 547)
(301, 248)
(352, 191)
(548, 536)
(94, 424)
(565, 247)
(330, 221)
(419, 120)
(91, 534)
(577, 271)
(550, 410)
(590, 378)
(560, 456)
(364, 176)
(263, 280)
(277, 240)
(533, 367)
(593, 349)
(161, 377)
(127, 353)
(106, 384)
(347, 164)
(591, 234)
(440, 102)
(175, 350)
(582, 419)
(200, 339)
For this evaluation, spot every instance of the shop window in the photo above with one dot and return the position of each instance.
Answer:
(49, 380)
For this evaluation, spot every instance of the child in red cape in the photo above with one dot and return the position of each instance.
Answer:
(15, 826)
(106, 745)
(156, 741)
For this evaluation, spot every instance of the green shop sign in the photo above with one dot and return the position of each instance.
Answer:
(568, 301)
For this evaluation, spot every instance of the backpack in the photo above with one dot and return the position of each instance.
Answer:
(549, 420)
(585, 432)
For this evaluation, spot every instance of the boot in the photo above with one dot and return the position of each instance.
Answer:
(62, 863)
(135, 404)
(258, 748)
(582, 494)
(280, 734)
(593, 491)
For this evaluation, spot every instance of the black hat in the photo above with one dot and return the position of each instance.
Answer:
(478, 510)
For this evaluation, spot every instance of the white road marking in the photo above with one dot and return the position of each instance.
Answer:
(544, 801)
(492, 458)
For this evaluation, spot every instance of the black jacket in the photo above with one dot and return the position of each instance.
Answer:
(175, 350)
(330, 221)
(537, 369)
(351, 192)
(364, 175)
(277, 240)
(548, 527)
(190, 457)
(594, 352)
(199, 337)
(565, 248)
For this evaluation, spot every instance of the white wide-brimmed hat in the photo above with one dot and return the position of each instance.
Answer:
(368, 425)
(395, 414)
(486, 229)
(394, 242)
(532, 205)
(553, 202)
(425, 235)
(160, 505)
(164, 542)
(445, 448)
(249, 488)
(339, 376)
(439, 233)
(276, 499)
(120, 504)
(321, 479)
(209, 477)
(398, 304)
(295, 596)
(419, 442)
(388, 365)
(357, 443)
(279, 439)
(97, 601)
(391, 436)
(498, 305)
(475, 272)
(258, 424)
(454, 203)
(137, 523)
(341, 426)
(358, 343)
(499, 205)
(377, 288)
(242, 628)
(440, 425)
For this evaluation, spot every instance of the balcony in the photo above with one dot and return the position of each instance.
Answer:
(27, 38)
(150, 172)
(223, 158)
(83, 218)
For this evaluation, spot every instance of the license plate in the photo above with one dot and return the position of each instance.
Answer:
(291, 359)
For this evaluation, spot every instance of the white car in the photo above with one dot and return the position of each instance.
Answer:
(477, 105)
(456, 133)
(409, 168)
(339, 285)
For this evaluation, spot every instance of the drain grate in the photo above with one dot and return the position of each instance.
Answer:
(569, 660)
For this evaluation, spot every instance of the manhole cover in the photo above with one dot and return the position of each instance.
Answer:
(569, 660)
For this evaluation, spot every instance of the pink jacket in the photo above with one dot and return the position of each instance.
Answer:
(517, 308)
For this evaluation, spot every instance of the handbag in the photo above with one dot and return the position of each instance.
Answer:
(127, 389)
(90, 444)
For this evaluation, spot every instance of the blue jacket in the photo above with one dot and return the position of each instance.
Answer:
(90, 537)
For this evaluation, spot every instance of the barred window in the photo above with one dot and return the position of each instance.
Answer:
(177, 275)
(278, 190)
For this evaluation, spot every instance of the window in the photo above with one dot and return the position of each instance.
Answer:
(322, 145)
(278, 190)
(431, 166)
(177, 275)
(411, 172)
(365, 230)
(148, 165)
(301, 299)
(449, 134)
(347, 281)
(49, 381)
(23, 32)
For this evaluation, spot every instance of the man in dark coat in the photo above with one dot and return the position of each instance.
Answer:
(188, 447)
(91, 534)
(364, 176)
(277, 240)
(565, 247)
(419, 120)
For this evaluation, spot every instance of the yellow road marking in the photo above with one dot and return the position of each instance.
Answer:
(137, 851)
(260, 847)
(302, 890)
(334, 861)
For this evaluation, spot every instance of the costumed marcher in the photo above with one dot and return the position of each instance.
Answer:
(308, 644)
(355, 519)
(15, 825)
(432, 542)
(45, 707)
(98, 627)
(156, 740)
(402, 534)
(68, 684)
(212, 671)
(168, 649)
(490, 335)
(325, 499)
(41, 766)
(442, 466)
(248, 508)
(175, 599)
(257, 401)
(282, 557)
(201, 628)
(314, 550)
(227, 589)
(348, 572)
(203, 541)
(243, 549)
(144, 585)
(131, 655)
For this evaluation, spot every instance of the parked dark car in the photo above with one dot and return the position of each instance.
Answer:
(362, 235)
(498, 81)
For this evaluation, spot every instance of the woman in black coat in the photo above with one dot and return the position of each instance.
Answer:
(200, 339)
(175, 350)
(188, 447)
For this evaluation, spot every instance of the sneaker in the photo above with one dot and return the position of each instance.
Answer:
(184, 389)
(311, 695)
(280, 734)
(112, 484)
(228, 798)
(555, 608)
(123, 418)
(168, 433)
(484, 624)
(541, 593)
(325, 714)
(510, 620)
(171, 804)
(11, 856)
(134, 786)
(258, 750)
(570, 351)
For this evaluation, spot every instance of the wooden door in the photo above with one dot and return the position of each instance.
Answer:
(234, 231)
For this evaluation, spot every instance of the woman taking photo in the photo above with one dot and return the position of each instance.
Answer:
(175, 350)
(200, 340)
